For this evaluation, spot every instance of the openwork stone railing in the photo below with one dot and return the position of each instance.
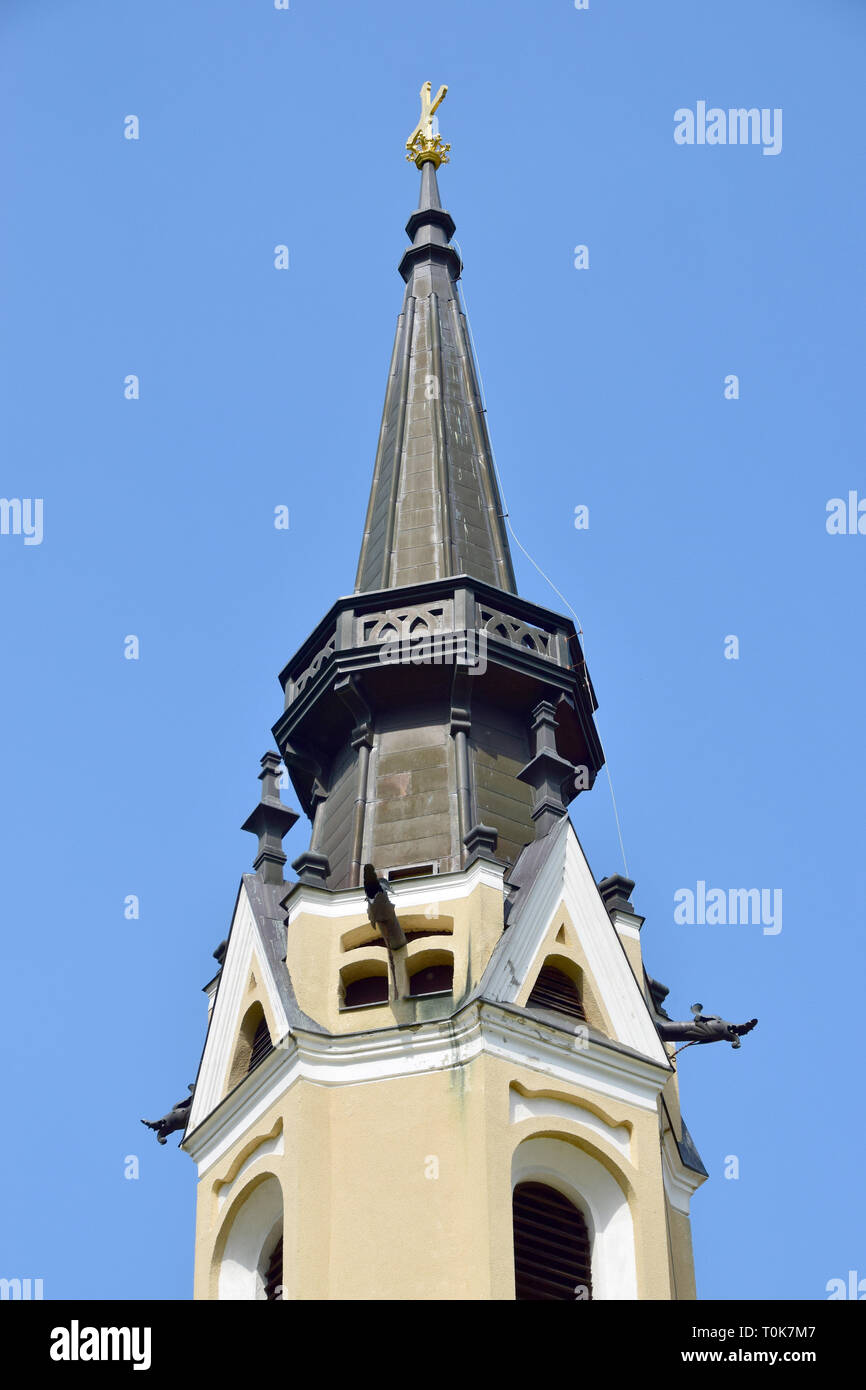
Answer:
(408, 615)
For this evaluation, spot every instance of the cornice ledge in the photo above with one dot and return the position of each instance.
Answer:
(582, 1061)
(680, 1182)
(407, 893)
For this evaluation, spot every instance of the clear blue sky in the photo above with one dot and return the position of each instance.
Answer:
(260, 388)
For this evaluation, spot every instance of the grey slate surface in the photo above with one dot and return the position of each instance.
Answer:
(270, 920)
(435, 508)
(688, 1152)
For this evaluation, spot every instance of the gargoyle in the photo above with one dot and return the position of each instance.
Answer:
(175, 1119)
(703, 1028)
(380, 910)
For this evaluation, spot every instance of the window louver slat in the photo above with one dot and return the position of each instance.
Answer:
(538, 1248)
(554, 990)
(551, 1245)
(262, 1045)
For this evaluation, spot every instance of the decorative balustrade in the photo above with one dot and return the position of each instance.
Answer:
(427, 611)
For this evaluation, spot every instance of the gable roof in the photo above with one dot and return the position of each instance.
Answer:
(551, 873)
(256, 939)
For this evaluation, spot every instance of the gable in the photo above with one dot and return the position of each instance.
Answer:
(246, 978)
(563, 897)
(561, 948)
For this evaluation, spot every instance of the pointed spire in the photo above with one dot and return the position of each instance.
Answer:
(435, 508)
(271, 821)
(406, 762)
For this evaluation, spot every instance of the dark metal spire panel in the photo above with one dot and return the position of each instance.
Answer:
(469, 745)
(435, 509)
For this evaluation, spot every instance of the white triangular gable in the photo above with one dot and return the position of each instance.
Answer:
(245, 954)
(565, 879)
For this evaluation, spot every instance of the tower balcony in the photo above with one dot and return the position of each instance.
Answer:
(427, 723)
(424, 630)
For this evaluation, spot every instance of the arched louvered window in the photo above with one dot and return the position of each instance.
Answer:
(274, 1274)
(551, 1246)
(555, 990)
(262, 1045)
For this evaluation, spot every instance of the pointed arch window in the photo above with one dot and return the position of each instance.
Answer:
(552, 1260)
(554, 989)
(253, 1044)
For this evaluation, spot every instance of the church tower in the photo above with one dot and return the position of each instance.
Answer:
(435, 1067)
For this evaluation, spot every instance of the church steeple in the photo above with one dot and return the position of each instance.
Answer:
(445, 1007)
(435, 508)
(434, 715)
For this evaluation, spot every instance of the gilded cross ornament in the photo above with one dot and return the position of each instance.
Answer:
(424, 144)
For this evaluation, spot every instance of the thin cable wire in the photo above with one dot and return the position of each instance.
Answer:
(534, 563)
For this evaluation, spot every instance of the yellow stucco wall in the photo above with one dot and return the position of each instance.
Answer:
(400, 1188)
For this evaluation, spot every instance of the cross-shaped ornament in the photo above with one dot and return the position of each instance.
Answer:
(425, 144)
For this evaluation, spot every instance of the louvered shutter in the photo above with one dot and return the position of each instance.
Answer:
(551, 1246)
(554, 990)
(262, 1045)
(274, 1275)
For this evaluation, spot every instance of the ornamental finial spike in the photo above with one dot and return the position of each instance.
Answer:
(425, 143)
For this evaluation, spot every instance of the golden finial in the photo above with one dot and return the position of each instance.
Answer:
(425, 144)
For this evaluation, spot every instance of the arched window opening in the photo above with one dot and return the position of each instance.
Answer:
(253, 1044)
(437, 978)
(363, 983)
(415, 926)
(369, 989)
(551, 1246)
(555, 990)
(254, 1231)
(274, 1274)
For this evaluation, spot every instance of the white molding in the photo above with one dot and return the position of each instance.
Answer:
(565, 879)
(680, 1182)
(631, 921)
(254, 1226)
(605, 956)
(262, 1150)
(242, 1108)
(244, 954)
(359, 1058)
(588, 1184)
(523, 1107)
(606, 1070)
(406, 893)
